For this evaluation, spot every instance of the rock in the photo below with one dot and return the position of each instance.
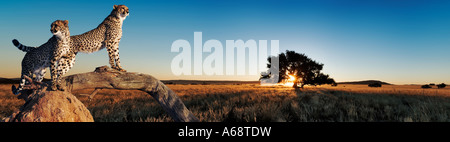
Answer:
(51, 106)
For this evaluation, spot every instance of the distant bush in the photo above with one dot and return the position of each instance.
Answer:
(442, 85)
(432, 84)
(375, 85)
(334, 84)
(426, 86)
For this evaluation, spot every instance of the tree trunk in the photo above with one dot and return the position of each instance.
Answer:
(295, 83)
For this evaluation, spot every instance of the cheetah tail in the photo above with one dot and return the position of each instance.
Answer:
(22, 47)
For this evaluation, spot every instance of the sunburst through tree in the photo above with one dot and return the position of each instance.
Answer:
(296, 69)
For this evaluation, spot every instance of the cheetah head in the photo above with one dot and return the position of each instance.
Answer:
(121, 11)
(60, 28)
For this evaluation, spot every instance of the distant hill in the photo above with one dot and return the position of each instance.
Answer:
(200, 82)
(365, 82)
(192, 82)
(8, 81)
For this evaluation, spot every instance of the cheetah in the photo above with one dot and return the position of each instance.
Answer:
(54, 52)
(108, 34)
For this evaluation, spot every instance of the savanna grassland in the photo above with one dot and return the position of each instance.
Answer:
(254, 103)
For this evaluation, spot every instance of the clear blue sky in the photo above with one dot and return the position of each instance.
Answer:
(397, 41)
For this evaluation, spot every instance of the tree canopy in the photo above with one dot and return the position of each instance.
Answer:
(304, 69)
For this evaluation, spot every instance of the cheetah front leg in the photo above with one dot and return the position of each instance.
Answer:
(53, 68)
(113, 53)
(53, 73)
(117, 60)
(65, 63)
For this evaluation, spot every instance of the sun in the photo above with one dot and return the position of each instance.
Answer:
(291, 77)
(290, 80)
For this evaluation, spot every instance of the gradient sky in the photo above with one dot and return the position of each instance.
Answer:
(397, 41)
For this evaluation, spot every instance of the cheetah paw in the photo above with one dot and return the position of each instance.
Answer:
(57, 88)
(54, 88)
(119, 69)
(62, 88)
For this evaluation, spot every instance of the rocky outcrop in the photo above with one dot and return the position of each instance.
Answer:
(51, 106)
(61, 106)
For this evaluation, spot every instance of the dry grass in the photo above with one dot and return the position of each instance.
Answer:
(392, 89)
(253, 103)
(8, 102)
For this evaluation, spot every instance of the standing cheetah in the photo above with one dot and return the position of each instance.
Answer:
(107, 34)
(54, 51)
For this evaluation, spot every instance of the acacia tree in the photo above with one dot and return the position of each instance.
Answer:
(304, 69)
